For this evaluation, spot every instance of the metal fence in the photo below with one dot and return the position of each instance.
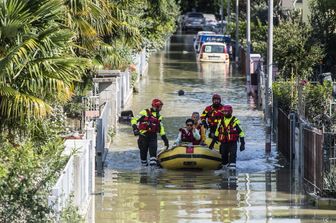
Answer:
(283, 134)
(311, 151)
(313, 157)
(329, 151)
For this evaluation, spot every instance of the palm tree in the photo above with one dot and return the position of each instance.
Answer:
(38, 64)
(99, 25)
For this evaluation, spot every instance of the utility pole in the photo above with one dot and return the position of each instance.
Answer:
(221, 13)
(248, 45)
(228, 10)
(269, 93)
(237, 32)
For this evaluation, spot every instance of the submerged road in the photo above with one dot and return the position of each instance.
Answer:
(263, 190)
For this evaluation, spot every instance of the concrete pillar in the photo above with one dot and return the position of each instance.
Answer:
(77, 180)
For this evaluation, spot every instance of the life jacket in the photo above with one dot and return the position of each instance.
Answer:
(228, 133)
(150, 123)
(187, 136)
(214, 115)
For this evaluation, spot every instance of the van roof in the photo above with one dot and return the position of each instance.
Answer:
(205, 32)
(213, 43)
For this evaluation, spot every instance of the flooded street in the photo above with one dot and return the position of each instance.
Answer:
(262, 191)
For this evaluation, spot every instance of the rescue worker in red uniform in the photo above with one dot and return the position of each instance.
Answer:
(146, 125)
(198, 125)
(212, 114)
(188, 134)
(228, 133)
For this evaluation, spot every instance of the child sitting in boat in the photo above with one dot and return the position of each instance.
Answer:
(188, 134)
(198, 125)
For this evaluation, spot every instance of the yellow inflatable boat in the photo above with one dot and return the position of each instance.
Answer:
(190, 157)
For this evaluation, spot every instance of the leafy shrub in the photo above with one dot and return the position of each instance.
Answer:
(28, 171)
(330, 184)
(29, 167)
(317, 103)
(315, 98)
(285, 94)
(134, 77)
(71, 213)
(74, 108)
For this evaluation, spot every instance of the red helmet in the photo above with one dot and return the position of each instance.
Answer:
(227, 110)
(216, 96)
(157, 103)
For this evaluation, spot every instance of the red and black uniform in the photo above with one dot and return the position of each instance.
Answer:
(228, 133)
(149, 123)
(211, 115)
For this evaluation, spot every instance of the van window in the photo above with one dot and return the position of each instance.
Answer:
(210, 17)
(196, 15)
(214, 49)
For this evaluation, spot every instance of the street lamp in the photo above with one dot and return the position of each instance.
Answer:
(269, 93)
(248, 45)
(237, 32)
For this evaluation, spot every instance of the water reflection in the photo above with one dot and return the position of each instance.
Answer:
(175, 196)
(214, 70)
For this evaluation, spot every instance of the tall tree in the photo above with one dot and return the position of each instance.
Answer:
(294, 52)
(323, 21)
(102, 26)
(37, 61)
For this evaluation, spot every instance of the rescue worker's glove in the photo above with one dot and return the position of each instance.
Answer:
(205, 124)
(165, 140)
(136, 131)
(242, 144)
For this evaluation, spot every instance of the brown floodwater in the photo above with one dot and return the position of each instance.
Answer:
(262, 190)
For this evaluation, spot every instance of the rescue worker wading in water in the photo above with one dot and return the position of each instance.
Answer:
(228, 133)
(189, 134)
(212, 114)
(146, 125)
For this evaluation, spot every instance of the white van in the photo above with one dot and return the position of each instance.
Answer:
(214, 52)
(197, 38)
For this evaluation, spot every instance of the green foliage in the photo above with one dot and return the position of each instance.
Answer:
(37, 62)
(316, 99)
(258, 38)
(134, 77)
(285, 95)
(317, 102)
(71, 213)
(74, 108)
(160, 19)
(323, 22)
(43, 45)
(111, 133)
(294, 51)
(28, 171)
(330, 184)
(29, 167)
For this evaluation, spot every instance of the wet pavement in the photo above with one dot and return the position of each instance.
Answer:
(262, 189)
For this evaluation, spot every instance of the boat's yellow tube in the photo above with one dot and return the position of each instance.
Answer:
(190, 157)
